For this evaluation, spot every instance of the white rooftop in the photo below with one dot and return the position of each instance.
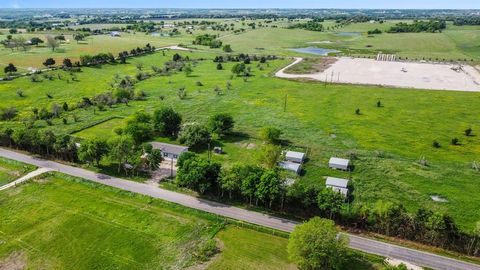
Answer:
(336, 182)
(339, 161)
(291, 166)
(169, 148)
(294, 154)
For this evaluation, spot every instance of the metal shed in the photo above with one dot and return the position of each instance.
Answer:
(338, 184)
(290, 166)
(339, 163)
(293, 156)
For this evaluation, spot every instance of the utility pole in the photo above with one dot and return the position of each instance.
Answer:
(285, 104)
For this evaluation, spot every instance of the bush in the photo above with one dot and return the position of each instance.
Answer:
(270, 134)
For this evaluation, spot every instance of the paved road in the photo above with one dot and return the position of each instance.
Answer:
(356, 242)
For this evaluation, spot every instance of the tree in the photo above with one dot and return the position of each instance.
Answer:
(153, 158)
(269, 155)
(93, 150)
(67, 63)
(198, 174)
(35, 41)
(230, 179)
(52, 43)
(221, 123)
(219, 66)
(468, 131)
(195, 135)
(139, 127)
(227, 48)
(167, 122)
(270, 134)
(188, 70)
(238, 68)
(269, 187)
(330, 202)
(122, 149)
(250, 176)
(10, 68)
(49, 62)
(316, 244)
(78, 37)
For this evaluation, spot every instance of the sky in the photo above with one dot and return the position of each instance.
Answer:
(372, 4)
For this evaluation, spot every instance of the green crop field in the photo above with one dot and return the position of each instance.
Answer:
(388, 141)
(59, 222)
(11, 170)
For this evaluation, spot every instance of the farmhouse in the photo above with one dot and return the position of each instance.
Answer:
(339, 163)
(337, 184)
(290, 166)
(170, 151)
(297, 157)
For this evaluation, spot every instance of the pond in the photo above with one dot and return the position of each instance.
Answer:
(348, 34)
(314, 50)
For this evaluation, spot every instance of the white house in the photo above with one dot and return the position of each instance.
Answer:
(290, 166)
(297, 157)
(115, 34)
(170, 151)
(339, 163)
(337, 184)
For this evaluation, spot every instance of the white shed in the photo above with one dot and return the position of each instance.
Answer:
(298, 157)
(290, 166)
(337, 184)
(339, 163)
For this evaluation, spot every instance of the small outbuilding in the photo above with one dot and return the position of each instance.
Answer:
(339, 163)
(171, 151)
(293, 156)
(337, 184)
(290, 166)
(115, 34)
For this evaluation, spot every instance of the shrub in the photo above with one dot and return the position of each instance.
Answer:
(270, 134)
(455, 141)
(436, 144)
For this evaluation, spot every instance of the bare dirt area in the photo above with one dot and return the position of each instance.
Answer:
(15, 261)
(312, 65)
(430, 76)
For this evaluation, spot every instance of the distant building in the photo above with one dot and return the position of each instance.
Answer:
(290, 166)
(339, 163)
(297, 157)
(170, 151)
(115, 34)
(338, 185)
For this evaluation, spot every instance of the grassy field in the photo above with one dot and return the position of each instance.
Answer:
(245, 249)
(11, 170)
(55, 222)
(62, 223)
(456, 42)
(388, 140)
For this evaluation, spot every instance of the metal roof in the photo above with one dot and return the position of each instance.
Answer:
(336, 182)
(169, 148)
(339, 161)
(293, 154)
(291, 166)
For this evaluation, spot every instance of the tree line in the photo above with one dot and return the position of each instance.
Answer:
(431, 26)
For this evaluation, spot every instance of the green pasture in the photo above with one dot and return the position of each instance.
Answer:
(11, 170)
(388, 140)
(57, 222)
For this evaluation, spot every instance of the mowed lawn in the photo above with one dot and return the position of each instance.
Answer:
(388, 141)
(246, 249)
(11, 170)
(58, 222)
